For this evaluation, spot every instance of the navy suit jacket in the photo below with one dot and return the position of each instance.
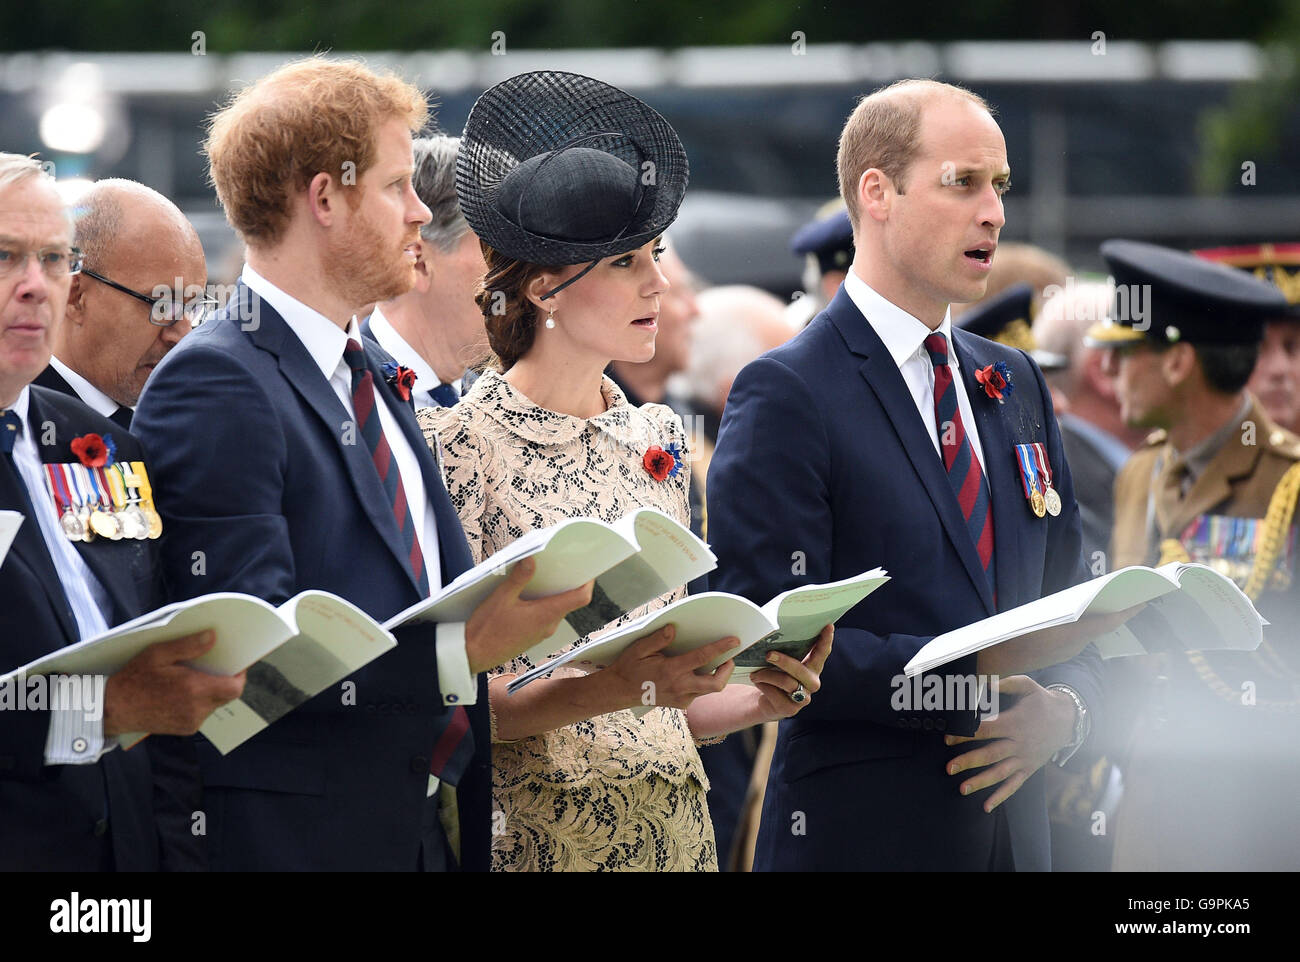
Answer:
(824, 469)
(266, 488)
(132, 809)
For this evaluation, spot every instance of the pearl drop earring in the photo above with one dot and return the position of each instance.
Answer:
(550, 320)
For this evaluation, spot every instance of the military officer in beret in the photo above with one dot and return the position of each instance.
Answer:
(1213, 772)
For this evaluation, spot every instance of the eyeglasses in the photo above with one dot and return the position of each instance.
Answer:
(55, 261)
(164, 311)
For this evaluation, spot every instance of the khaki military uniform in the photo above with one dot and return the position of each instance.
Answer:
(1212, 778)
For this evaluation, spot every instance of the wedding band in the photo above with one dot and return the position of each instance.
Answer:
(799, 696)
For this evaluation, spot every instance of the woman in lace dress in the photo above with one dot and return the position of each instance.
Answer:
(580, 782)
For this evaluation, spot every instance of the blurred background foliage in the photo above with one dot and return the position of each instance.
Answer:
(291, 25)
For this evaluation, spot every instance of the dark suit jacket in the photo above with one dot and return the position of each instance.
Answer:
(52, 379)
(265, 491)
(122, 812)
(824, 469)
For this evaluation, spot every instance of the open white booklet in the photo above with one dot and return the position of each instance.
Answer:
(1189, 606)
(641, 556)
(292, 653)
(789, 623)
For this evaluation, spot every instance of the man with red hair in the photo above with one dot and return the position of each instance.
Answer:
(291, 463)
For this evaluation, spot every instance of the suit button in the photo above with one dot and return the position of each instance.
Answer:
(916, 723)
(927, 724)
(370, 707)
(419, 765)
(101, 827)
(411, 708)
(940, 724)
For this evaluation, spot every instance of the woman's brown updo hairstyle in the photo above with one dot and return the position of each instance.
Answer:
(510, 317)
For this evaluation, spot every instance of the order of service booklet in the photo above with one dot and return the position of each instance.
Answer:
(316, 639)
(789, 623)
(1189, 606)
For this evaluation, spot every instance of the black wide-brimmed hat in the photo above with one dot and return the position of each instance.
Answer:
(556, 169)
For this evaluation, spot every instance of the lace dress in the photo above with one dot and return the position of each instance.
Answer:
(614, 791)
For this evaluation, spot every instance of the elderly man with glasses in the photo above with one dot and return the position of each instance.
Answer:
(140, 290)
(71, 797)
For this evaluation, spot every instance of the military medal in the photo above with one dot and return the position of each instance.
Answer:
(134, 522)
(102, 519)
(68, 519)
(1051, 500)
(76, 481)
(139, 479)
(1029, 479)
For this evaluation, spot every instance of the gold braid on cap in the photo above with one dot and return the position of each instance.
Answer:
(1017, 334)
(1287, 283)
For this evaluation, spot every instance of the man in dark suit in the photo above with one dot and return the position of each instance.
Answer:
(877, 436)
(286, 462)
(140, 289)
(70, 799)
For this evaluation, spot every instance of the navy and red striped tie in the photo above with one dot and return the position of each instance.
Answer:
(455, 744)
(959, 458)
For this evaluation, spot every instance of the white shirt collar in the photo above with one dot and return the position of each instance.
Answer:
(903, 334)
(89, 394)
(323, 339)
(20, 406)
(426, 379)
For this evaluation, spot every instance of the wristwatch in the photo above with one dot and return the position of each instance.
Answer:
(1082, 724)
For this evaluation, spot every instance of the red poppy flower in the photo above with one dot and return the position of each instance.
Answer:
(90, 450)
(992, 381)
(405, 381)
(658, 462)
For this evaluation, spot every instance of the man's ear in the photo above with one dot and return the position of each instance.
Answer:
(1178, 363)
(324, 196)
(875, 193)
(423, 269)
(76, 309)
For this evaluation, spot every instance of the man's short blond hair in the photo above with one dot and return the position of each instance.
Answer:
(884, 132)
(308, 117)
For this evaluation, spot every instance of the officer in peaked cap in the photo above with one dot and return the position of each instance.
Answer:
(1214, 767)
(826, 244)
(1276, 381)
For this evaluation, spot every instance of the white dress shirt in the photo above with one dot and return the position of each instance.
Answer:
(904, 337)
(72, 739)
(325, 341)
(426, 378)
(89, 394)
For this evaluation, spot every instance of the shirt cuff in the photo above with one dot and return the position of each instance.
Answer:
(458, 685)
(74, 739)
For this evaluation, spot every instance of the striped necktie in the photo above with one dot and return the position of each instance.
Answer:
(363, 407)
(455, 743)
(964, 471)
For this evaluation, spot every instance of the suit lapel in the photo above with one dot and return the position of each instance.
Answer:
(891, 391)
(30, 550)
(274, 335)
(113, 576)
(1000, 470)
(1214, 486)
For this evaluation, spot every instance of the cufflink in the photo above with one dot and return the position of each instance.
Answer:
(452, 698)
(79, 745)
